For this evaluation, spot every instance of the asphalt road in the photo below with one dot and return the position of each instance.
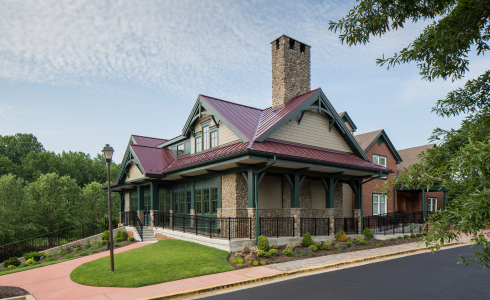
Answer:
(421, 276)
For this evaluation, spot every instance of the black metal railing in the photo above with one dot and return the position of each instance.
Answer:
(57, 238)
(213, 227)
(348, 225)
(315, 226)
(127, 218)
(395, 225)
(139, 226)
(146, 218)
(276, 227)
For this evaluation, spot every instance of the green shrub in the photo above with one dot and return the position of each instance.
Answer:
(393, 239)
(77, 249)
(237, 260)
(262, 253)
(35, 255)
(240, 265)
(340, 249)
(327, 247)
(412, 236)
(341, 236)
(50, 258)
(318, 245)
(353, 247)
(274, 245)
(287, 252)
(93, 250)
(262, 262)
(273, 252)
(419, 234)
(400, 237)
(406, 236)
(36, 263)
(13, 261)
(360, 237)
(363, 242)
(352, 241)
(249, 262)
(131, 239)
(84, 253)
(87, 244)
(121, 234)
(69, 255)
(105, 236)
(349, 244)
(118, 240)
(368, 233)
(11, 267)
(30, 261)
(263, 243)
(306, 241)
(255, 263)
(97, 243)
(313, 248)
(424, 233)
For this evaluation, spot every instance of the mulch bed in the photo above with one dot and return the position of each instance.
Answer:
(280, 258)
(11, 291)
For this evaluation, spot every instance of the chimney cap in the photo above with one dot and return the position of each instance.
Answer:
(291, 39)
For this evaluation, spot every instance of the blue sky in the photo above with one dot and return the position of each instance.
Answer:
(79, 74)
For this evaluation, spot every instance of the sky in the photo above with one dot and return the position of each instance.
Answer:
(80, 74)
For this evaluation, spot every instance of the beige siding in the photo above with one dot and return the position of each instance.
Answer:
(226, 135)
(318, 195)
(134, 173)
(313, 131)
(348, 126)
(347, 191)
(270, 192)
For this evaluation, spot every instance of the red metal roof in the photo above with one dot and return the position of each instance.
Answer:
(243, 118)
(147, 141)
(152, 160)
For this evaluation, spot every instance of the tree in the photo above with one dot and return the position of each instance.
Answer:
(15, 211)
(17, 146)
(94, 202)
(461, 162)
(54, 201)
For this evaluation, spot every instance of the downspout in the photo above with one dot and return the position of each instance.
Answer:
(256, 196)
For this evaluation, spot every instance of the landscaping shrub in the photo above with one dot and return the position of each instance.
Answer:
(327, 247)
(293, 245)
(424, 234)
(352, 241)
(117, 240)
(363, 242)
(263, 243)
(105, 236)
(262, 253)
(237, 260)
(250, 256)
(11, 267)
(240, 265)
(34, 255)
(13, 261)
(406, 236)
(77, 248)
(353, 247)
(307, 240)
(318, 245)
(341, 236)
(360, 237)
(368, 233)
(131, 239)
(121, 234)
(274, 245)
(249, 261)
(255, 263)
(262, 262)
(82, 254)
(419, 234)
(287, 252)
(30, 261)
(50, 258)
(393, 239)
(412, 235)
(340, 249)
(273, 252)
(349, 244)
(400, 237)
(313, 248)
(69, 255)
(97, 243)
(87, 244)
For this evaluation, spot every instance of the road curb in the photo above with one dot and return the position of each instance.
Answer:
(240, 283)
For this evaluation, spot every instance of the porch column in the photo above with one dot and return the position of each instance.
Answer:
(356, 187)
(295, 203)
(445, 199)
(141, 203)
(423, 204)
(121, 209)
(329, 184)
(154, 202)
(250, 185)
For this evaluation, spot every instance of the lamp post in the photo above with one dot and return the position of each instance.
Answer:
(107, 152)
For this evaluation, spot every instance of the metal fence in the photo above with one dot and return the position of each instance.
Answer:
(229, 228)
(395, 225)
(276, 227)
(315, 226)
(56, 238)
(348, 225)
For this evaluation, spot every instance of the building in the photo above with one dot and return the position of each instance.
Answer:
(289, 164)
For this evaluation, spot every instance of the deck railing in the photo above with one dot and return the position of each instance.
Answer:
(348, 225)
(395, 225)
(315, 226)
(276, 227)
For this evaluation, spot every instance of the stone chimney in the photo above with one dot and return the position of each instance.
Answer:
(290, 70)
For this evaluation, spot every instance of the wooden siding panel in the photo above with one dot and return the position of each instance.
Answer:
(134, 173)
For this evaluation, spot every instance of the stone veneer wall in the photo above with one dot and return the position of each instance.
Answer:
(234, 196)
(290, 70)
(126, 201)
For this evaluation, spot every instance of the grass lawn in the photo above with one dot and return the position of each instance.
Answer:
(164, 261)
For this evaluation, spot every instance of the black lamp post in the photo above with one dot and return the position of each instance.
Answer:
(107, 151)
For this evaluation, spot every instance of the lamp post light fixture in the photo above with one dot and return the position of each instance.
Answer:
(107, 152)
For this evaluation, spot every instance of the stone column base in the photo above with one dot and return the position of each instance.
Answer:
(357, 215)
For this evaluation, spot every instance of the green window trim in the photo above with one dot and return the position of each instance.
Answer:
(376, 206)
(164, 199)
(208, 196)
(133, 201)
(182, 148)
(376, 159)
(207, 138)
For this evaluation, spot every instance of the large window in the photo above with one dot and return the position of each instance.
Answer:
(379, 204)
(207, 195)
(147, 199)
(207, 138)
(214, 139)
(133, 201)
(432, 204)
(198, 144)
(180, 150)
(205, 135)
(198, 201)
(182, 198)
(379, 160)
(164, 197)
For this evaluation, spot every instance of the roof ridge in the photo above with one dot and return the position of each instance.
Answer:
(233, 102)
(146, 146)
(418, 146)
(368, 132)
(307, 146)
(148, 137)
(256, 127)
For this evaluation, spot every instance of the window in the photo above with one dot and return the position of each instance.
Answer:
(432, 204)
(133, 201)
(180, 150)
(176, 203)
(182, 202)
(198, 202)
(189, 198)
(214, 200)
(379, 160)
(147, 199)
(379, 204)
(214, 139)
(205, 202)
(207, 195)
(198, 144)
(205, 133)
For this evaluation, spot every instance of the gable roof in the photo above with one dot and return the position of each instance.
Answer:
(346, 118)
(366, 140)
(147, 141)
(410, 156)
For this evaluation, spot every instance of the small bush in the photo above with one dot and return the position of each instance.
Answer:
(105, 236)
(340, 249)
(97, 243)
(262, 253)
(249, 262)
(360, 237)
(36, 263)
(11, 267)
(131, 239)
(353, 247)
(352, 241)
(69, 255)
(318, 245)
(13, 261)
(287, 252)
(263, 243)
(424, 234)
(406, 236)
(274, 245)
(82, 254)
(313, 248)
(240, 265)
(87, 245)
(77, 249)
(400, 237)
(327, 247)
(118, 240)
(341, 236)
(306, 241)
(255, 263)
(363, 242)
(393, 239)
(262, 262)
(273, 252)
(35, 255)
(237, 260)
(349, 244)
(50, 258)
(30, 261)
(419, 234)
(412, 236)
(121, 234)
(368, 233)
(93, 250)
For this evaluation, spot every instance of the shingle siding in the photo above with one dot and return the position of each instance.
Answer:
(134, 173)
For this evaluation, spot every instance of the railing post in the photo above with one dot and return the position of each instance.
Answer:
(293, 226)
(229, 228)
(250, 227)
(315, 226)
(345, 225)
(183, 222)
(277, 227)
(210, 236)
(300, 226)
(197, 223)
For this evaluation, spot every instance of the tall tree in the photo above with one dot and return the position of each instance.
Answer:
(94, 202)
(17, 146)
(461, 162)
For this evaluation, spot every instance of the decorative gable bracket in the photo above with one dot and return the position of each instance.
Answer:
(128, 159)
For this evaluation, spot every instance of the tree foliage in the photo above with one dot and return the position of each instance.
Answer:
(461, 161)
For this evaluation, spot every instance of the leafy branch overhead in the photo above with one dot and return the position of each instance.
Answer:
(440, 50)
(461, 161)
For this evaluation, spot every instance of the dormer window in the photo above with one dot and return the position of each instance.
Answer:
(180, 150)
(379, 160)
(205, 135)
(207, 138)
